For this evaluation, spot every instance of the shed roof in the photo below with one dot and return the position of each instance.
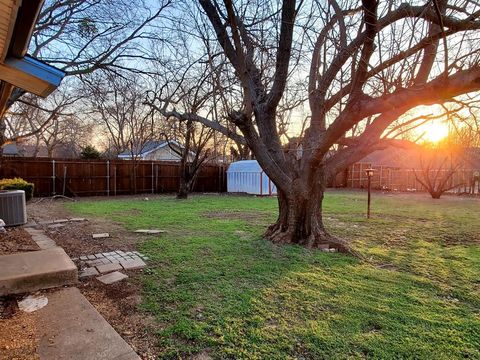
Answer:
(245, 166)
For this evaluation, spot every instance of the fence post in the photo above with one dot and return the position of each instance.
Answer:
(108, 177)
(53, 177)
(115, 180)
(156, 177)
(64, 178)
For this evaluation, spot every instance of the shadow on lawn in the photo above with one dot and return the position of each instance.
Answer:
(250, 299)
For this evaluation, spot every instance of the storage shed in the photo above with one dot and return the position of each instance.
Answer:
(247, 176)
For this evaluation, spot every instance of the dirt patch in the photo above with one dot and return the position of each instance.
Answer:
(76, 237)
(119, 305)
(16, 240)
(461, 239)
(256, 217)
(18, 338)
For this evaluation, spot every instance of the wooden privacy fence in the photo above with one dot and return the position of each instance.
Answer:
(106, 177)
(396, 179)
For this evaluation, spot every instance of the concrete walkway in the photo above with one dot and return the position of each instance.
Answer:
(71, 328)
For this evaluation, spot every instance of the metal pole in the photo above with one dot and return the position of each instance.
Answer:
(53, 177)
(152, 179)
(369, 195)
(261, 182)
(115, 180)
(108, 177)
(156, 177)
(64, 178)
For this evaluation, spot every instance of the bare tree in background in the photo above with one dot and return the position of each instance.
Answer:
(47, 124)
(437, 169)
(118, 102)
(84, 36)
(194, 140)
(367, 65)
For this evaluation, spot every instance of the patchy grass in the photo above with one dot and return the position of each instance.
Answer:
(216, 287)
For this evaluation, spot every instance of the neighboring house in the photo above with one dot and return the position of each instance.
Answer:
(400, 158)
(41, 151)
(394, 157)
(10, 149)
(157, 150)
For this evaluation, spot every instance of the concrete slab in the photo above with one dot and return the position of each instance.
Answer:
(43, 241)
(33, 231)
(71, 328)
(105, 268)
(36, 270)
(46, 222)
(60, 221)
(133, 264)
(56, 226)
(112, 277)
(78, 219)
(100, 236)
(91, 271)
(150, 231)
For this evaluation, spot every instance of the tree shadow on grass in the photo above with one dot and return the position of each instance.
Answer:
(247, 298)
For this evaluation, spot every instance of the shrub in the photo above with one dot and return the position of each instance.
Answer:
(89, 152)
(18, 184)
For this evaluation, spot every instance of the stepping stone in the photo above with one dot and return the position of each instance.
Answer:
(43, 241)
(105, 268)
(60, 221)
(100, 236)
(78, 219)
(32, 231)
(47, 222)
(112, 277)
(95, 262)
(36, 270)
(56, 226)
(152, 231)
(32, 303)
(91, 271)
(133, 264)
(73, 329)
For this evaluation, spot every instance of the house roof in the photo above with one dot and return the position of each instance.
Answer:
(17, 20)
(10, 149)
(393, 157)
(148, 147)
(412, 158)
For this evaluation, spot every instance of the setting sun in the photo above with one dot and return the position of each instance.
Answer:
(434, 131)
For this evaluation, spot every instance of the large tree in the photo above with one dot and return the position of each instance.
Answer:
(369, 65)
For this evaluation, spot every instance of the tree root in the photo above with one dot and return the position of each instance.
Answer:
(320, 240)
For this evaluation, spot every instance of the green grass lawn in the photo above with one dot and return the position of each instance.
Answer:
(215, 285)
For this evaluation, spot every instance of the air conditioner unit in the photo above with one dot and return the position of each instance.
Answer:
(13, 209)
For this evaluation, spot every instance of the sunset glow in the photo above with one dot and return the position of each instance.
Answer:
(434, 131)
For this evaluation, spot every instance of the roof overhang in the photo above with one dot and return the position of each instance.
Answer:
(17, 21)
(31, 75)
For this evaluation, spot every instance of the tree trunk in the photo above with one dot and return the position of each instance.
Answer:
(183, 189)
(300, 219)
